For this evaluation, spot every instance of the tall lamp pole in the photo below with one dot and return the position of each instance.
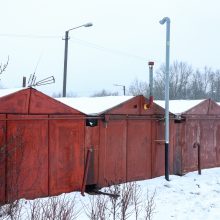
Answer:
(66, 54)
(123, 86)
(167, 21)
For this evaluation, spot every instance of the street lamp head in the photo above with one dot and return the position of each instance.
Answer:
(84, 25)
(88, 25)
(165, 19)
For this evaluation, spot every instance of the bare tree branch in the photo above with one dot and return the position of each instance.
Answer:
(4, 66)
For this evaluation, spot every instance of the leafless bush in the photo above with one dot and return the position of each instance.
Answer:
(53, 208)
(127, 191)
(11, 211)
(102, 202)
(97, 208)
(149, 205)
(60, 208)
(137, 200)
(35, 210)
(114, 201)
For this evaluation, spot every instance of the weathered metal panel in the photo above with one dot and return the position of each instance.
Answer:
(136, 106)
(217, 140)
(180, 141)
(158, 149)
(66, 155)
(192, 135)
(214, 108)
(138, 150)
(172, 140)
(201, 126)
(43, 104)
(131, 106)
(112, 156)
(200, 109)
(92, 141)
(208, 150)
(2, 158)
(15, 103)
(27, 157)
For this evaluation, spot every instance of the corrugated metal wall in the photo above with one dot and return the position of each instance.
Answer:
(41, 146)
(126, 143)
(201, 125)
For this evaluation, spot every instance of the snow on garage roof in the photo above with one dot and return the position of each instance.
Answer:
(4, 92)
(178, 107)
(94, 105)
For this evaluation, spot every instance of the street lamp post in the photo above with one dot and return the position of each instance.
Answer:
(66, 54)
(167, 20)
(123, 86)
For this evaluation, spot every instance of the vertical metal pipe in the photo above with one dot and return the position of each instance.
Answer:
(151, 65)
(167, 20)
(124, 90)
(197, 145)
(65, 62)
(151, 98)
(24, 82)
(199, 160)
(86, 170)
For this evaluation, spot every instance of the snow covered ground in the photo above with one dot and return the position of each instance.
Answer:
(192, 196)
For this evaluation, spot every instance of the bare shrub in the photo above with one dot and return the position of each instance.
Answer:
(127, 191)
(54, 208)
(137, 200)
(149, 205)
(35, 209)
(97, 208)
(60, 208)
(114, 201)
(11, 211)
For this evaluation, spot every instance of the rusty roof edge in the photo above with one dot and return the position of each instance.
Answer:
(57, 101)
(109, 109)
(11, 91)
(202, 101)
(92, 112)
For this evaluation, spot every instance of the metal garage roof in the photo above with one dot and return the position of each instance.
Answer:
(94, 105)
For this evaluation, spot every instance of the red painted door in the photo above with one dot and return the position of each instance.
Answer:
(66, 155)
(27, 156)
(158, 149)
(190, 154)
(139, 150)
(112, 153)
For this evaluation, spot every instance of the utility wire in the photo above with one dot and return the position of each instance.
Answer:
(105, 49)
(82, 42)
(30, 36)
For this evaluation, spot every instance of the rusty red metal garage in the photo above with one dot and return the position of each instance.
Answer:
(197, 123)
(126, 139)
(42, 143)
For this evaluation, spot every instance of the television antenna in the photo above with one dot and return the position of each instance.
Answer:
(46, 81)
(32, 79)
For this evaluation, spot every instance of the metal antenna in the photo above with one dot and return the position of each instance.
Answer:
(31, 80)
(46, 81)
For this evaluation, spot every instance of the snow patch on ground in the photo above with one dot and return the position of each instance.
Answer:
(187, 197)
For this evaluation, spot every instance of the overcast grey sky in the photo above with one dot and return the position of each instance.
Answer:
(126, 34)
